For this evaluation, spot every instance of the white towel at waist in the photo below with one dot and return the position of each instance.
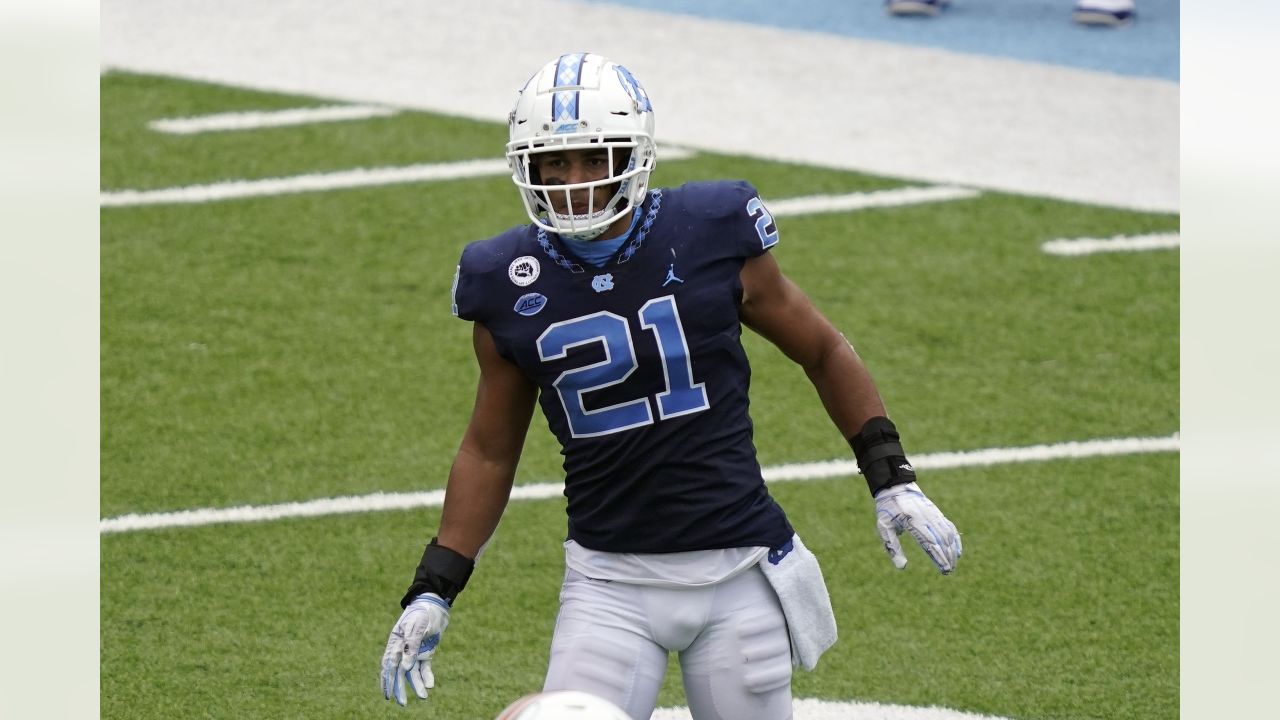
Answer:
(795, 576)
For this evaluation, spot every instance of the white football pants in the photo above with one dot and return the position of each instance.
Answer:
(612, 640)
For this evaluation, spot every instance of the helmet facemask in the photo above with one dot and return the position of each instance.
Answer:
(582, 102)
(589, 217)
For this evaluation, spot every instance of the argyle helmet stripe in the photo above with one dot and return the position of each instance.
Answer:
(564, 105)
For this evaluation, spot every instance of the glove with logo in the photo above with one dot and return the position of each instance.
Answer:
(900, 504)
(412, 643)
(902, 508)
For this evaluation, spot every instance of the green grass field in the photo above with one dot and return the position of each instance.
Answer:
(301, 346)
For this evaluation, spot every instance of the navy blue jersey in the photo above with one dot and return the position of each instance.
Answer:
(640, 367)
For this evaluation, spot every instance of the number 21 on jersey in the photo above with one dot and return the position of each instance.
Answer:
(659, 316)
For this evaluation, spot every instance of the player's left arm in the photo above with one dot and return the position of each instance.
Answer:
(778, 309)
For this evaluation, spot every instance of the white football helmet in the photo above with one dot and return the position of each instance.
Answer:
(577, 101)
(562, 705)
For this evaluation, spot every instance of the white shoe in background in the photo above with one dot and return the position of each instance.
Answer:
(915, 7)
(1103, 12)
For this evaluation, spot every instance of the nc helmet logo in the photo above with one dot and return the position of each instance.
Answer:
(524, 270)
(601, 283)
(530, 304)
(634, 89)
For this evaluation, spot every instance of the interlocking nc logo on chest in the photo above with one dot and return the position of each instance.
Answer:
(602, 283)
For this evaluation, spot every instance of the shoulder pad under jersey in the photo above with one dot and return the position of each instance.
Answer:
(716, 199)
(482, 261)
(483, 256)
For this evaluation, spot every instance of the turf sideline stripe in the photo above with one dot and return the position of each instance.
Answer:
(267, 119)
(1119, 243)
(542, 491)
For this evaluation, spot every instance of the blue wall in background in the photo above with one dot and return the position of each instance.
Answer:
(1032, 30)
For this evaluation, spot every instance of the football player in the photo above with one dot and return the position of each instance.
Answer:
(619, 310)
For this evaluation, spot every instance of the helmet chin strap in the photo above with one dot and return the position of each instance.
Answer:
(563, 221)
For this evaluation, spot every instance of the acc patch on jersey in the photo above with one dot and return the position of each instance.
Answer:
(524, 270)
(530, 304)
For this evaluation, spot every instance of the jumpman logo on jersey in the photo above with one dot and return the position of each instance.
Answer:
(777, 554)
(671, 276)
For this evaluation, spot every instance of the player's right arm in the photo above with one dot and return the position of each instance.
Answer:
(485, 466)
(479, 486)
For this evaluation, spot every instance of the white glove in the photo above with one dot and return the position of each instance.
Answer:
(412, 643)
(905, 508)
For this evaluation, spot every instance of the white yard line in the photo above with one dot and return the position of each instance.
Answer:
(989, 456)
(367, 177)
(813, 204)
(319, 182)
(1119, 243)
(312, 182)
(265, 119)
(542, 491)
(819, 709)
